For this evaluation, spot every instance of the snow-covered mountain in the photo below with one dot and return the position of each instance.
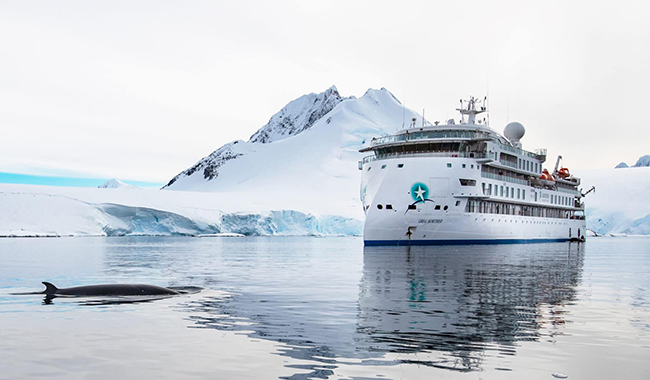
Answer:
(306, 155)
(642, 162)
(294, 118)
(298, 116)
(115, 184)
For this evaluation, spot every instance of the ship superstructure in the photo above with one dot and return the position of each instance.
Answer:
(465, 183)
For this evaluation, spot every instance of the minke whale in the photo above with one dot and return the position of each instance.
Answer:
(107, 290)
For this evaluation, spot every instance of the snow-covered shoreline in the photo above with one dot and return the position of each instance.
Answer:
(45, 211)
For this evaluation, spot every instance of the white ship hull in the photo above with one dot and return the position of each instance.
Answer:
(399, 212)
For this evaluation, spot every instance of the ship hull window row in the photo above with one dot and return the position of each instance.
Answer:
(500, 208)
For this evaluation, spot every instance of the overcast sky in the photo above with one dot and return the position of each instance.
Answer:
(141, 90)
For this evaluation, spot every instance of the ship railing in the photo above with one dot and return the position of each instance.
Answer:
(568, 191)
(508, 163)
(424, 154)
(504, 178)
(425, 135)
(514, 150)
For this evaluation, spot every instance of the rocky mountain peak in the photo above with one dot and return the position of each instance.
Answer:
(298, 116)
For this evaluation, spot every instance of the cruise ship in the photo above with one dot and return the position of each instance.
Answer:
(464, 183)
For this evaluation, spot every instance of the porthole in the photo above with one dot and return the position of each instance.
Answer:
(369, 167)
(457, 203)
(383, 166)
(446, 208)
(400, 165)
(437, 207)
(448, 164)
(380, 207)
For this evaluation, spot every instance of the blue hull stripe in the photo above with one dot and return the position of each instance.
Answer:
(461, 242)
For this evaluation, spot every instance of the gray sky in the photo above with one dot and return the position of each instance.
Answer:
(142, 90)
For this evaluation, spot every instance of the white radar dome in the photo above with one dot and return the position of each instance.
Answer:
(514, 131)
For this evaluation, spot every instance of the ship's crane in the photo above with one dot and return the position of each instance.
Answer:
(557, 164)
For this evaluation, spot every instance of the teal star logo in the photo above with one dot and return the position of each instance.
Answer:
(419, 192)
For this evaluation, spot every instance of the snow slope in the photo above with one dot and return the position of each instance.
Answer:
(316, 168)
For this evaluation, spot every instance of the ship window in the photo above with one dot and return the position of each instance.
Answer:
(400, 165)
(501, 190)
(383, 166)
(389, 207)
(437, 207)
(457, 203)
(464, 166)
(518, 193)
(507, 191)
(369, 167)
(448, 164)
(467, 182)
(412, 207)
(471, 166)
(380, 207)
(446, 207)
(523, 194)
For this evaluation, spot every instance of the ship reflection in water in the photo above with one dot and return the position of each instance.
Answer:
(456, 304)
(465, 300)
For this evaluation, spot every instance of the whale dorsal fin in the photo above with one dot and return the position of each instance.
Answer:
(49, 288)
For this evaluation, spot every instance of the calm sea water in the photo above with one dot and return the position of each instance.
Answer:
(312, 308)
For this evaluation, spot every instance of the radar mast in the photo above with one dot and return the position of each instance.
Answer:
(468, 107)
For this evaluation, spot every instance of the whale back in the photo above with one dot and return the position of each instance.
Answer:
(109, 290)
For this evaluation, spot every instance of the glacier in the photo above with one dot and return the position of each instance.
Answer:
(42, 211)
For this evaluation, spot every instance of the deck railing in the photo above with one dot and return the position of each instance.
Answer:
(424, 154)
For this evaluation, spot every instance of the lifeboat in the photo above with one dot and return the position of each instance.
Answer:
(545, 180)
(546, 176)
(564, 173)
